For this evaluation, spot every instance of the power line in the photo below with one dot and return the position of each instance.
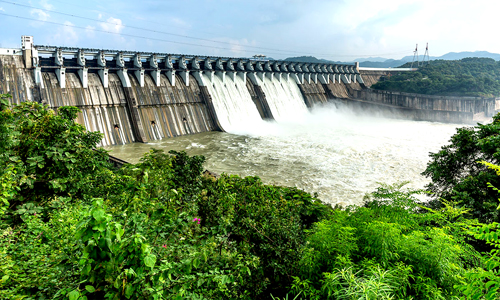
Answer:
(269, 50)
(140, 28)
(130, 35)
(275, 51)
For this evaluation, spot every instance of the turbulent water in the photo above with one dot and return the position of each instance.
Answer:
(233, 105)
(339, 155)
(284, 99)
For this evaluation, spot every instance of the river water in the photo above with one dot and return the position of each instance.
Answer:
(334, 152)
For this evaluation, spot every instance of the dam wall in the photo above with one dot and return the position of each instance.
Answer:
(103, 110)
(17, 80)
(260, 100)
(170, 111)
(370, 77)
(432, 108)
(313, 93)
(163, 111)
(140, 97)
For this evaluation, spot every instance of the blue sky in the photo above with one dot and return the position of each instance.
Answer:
(335, 29)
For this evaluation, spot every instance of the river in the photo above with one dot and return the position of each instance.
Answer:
(334, 152)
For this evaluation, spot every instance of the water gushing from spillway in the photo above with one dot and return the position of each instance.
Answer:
(236, 112)
(285, 99)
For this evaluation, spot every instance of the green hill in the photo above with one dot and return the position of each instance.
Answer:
(465, 77)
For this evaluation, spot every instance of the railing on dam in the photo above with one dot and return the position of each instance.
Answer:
(387, 69)
(84, 60)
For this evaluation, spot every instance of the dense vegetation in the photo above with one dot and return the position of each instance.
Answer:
(458, 175)
(72, 227)
(465, 77)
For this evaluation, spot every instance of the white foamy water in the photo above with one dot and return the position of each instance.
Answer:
(233, 105)
(338, 154)
(284, 99)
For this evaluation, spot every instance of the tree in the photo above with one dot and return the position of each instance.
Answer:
(466, 77)
(43, 154)
(457, 175)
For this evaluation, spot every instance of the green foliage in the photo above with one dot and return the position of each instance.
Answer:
(465, 77)
(389, 249)
(484, 282)
(457, 174)
(267, 221)
(35, 258)
(44, 155)
(73, 228)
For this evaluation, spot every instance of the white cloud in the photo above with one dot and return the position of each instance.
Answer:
(112, 25)
(46, 5)
(67, 36)
(89, 30)
(1, 9)
(40, 14)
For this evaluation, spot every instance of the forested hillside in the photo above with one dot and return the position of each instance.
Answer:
(465, 77)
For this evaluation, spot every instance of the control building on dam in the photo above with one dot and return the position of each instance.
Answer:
(139, 96)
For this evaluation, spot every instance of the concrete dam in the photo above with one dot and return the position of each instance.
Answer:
(139, 97)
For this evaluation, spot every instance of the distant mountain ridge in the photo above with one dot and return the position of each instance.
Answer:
(380, 62)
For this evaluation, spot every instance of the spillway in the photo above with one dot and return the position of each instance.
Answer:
(142, 97)
(236, 112)
(285, 99)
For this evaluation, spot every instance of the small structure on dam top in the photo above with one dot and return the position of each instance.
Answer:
(141, 96)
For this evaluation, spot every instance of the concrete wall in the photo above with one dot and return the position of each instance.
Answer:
(472, 105)
(314, 93)
(17, 80)
(123, 115)
(103, 110)
(468, 110)
(388, 111)
(169, 111)
(151, 112)
(371, 77)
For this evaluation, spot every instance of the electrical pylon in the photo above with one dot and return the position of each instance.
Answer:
(415, 54)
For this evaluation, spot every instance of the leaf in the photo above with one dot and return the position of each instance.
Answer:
(129, 291)
(119, 232)
(86, 270)
(90, 288)
(200, 282)
(150, 260)
(5, 278)
(196, 263)
(98, 214)
(74, 295)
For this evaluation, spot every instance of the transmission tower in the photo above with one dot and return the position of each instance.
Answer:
(415, 54)
(426, 54)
